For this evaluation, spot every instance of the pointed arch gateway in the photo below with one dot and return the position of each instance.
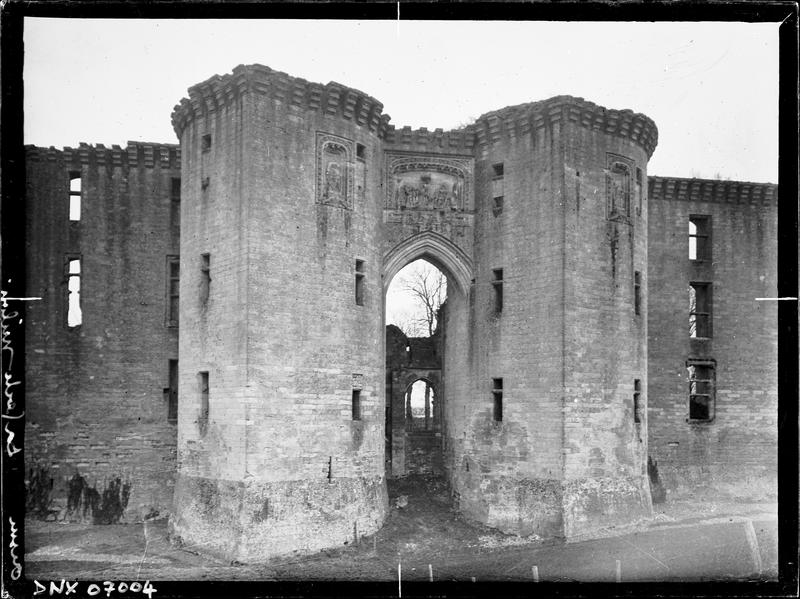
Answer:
(435, 248)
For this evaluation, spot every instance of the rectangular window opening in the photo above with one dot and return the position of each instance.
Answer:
(637, 292)
(75, 195)
(497, 207)
(205, 278)
(172, 392)
(73, 275)
(202, 419)
(699, 310)
(497, 396)
(639, 191)
(699, 238)
(701, 392)
(361, 151)
(637, 391)
(497, 284)
(498, 189)
(356, 403)
(360, 276)
(173, 290)
(206, 142)
(175, 206)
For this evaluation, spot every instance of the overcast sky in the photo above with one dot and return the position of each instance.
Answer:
(712, 88)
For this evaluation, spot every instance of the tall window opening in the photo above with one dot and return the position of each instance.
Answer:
(701, 391)
(75, 194)
(498, 188)
(205, 143)
(73, 276)
(356, 404)
(637, 292)
(497, 284)
(360, 276)
(700, 309)
(637, 393)
(205, 278)
(497, 397)
(639, 189)
(175, 207)
(202, 419)
(699, 238)
(173, 286)
(172, 392)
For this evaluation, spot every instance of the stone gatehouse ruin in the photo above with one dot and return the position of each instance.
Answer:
(211, 343)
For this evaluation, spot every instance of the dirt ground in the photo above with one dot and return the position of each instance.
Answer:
(423, 533)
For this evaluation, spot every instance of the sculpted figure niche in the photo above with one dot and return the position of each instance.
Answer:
(334, 171)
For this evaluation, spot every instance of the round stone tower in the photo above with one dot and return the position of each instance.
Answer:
(281, 438)
(546, 407)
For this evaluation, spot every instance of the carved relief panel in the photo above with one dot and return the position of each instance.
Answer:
(428, 193)
(334, 171)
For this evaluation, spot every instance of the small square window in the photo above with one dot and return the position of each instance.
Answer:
(206, 142)
(361, 151)
(498, 170)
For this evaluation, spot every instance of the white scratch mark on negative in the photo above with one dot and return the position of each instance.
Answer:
(776, 299)
(752, 541)
(245, 422)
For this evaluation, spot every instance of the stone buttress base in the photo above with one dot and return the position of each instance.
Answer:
(552, 508)
(254, 521)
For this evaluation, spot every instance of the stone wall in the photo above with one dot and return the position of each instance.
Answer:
(736, 452)
(96, 409)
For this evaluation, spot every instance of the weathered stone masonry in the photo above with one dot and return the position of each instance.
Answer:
(564, 349)
(95, 392)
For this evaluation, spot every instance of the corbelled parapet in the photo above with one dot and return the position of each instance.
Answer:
(711, 190)
(332, 99)
(422, 140)
(133, 155)
(514, 121)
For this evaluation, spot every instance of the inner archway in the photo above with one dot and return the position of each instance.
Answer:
(415, 301)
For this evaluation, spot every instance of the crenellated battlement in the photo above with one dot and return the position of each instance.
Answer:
(711, 190)
(331, 99)
(515, 121)
(134, 154)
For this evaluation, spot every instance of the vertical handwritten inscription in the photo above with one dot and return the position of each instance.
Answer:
(16, 567)
(7, 353)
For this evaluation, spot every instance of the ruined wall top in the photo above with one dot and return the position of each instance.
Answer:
(332, 98)
(712, 190)
(134, 154)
